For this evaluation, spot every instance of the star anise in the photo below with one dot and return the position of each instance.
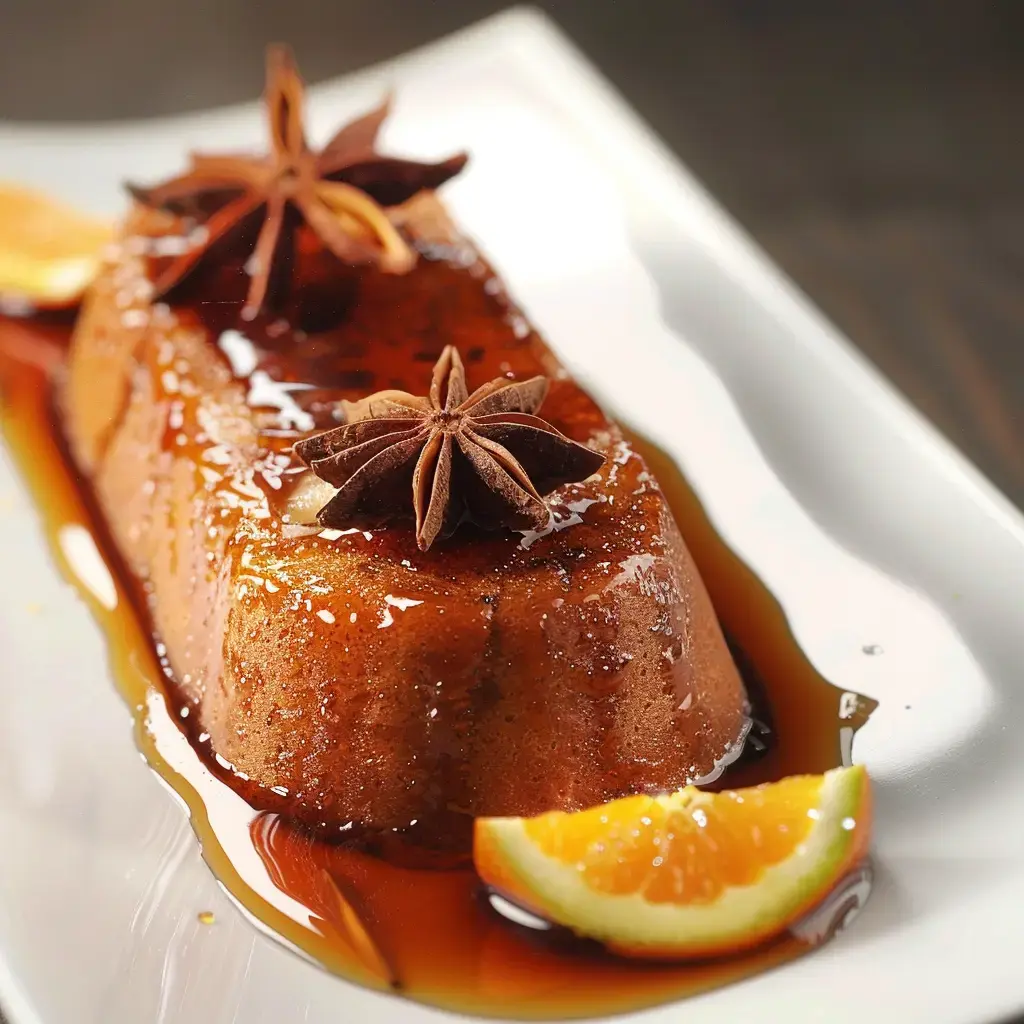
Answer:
(339, 193)
(482, 458)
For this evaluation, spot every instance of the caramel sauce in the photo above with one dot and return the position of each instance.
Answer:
(432, 935)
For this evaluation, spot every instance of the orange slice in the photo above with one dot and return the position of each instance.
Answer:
(690, 874)
(49, 252)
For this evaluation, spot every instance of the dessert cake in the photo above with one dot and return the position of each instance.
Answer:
(386, 590)
(413, 597)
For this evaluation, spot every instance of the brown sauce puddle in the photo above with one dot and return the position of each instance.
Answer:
(432, 935)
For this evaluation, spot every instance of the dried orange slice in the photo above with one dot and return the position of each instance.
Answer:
(49, 252)
(690, 874)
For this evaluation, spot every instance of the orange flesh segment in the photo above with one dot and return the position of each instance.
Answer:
(49, 252)
(686, 850)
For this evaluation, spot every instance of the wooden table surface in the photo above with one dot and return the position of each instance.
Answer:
(871, 147)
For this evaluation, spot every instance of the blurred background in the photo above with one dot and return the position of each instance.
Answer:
(870, 146)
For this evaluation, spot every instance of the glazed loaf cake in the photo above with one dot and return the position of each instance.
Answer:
(346, 676)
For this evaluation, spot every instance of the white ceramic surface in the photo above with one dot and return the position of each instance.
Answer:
(868, 527)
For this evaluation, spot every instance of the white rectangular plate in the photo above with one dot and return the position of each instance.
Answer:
(868, 527)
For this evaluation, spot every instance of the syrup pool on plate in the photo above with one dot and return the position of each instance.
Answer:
(422, 928)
